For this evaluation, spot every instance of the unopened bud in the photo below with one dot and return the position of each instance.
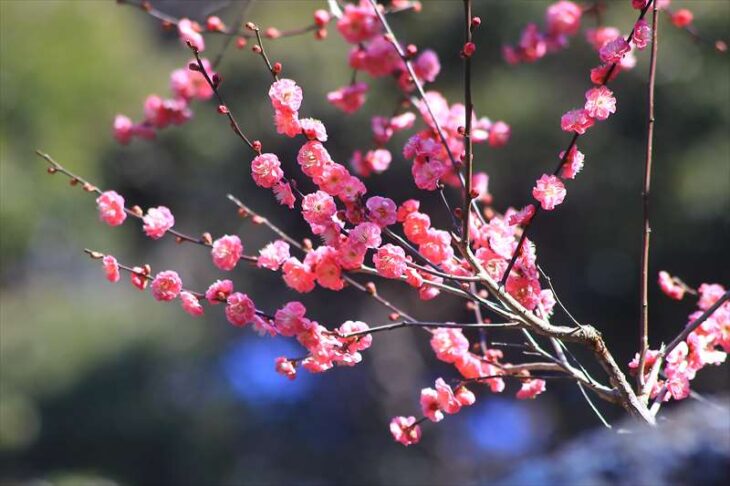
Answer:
(242, 212)
(394, 316)
(206, 238)
(51, 170)
(256, 48)
(193, 66)
(469, 49)
(475, 22)
(307, 244)
(137, 211)
(73, 181)
(241, 42)
(272, 33)
(251, 26)
(320, 34)
(256, 146)
(370, 287)
(178, 240)
(411, 50)
(276, 68)
(223, 109)
(258, 219)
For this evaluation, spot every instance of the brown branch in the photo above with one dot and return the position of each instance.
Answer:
(646, 235)
(431, 324)
(469, 109)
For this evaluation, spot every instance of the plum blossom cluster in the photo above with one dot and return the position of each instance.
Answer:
(185, 85)
(360, 233)
(708, 344)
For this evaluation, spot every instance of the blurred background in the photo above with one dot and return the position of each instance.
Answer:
(99, 383)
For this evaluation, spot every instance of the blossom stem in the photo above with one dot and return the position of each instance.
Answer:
(87, 186)
(696, 323)
(424, 324)
(95, 255)
(563, 160)
(469, 109)
(645, 193)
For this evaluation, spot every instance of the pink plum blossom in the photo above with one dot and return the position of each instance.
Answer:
(240, 309)
(111, 208)
(157, 222)
(166, 285)
(390, 261)
(226, 252)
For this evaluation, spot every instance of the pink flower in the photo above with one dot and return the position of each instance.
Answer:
(430, 405)
(166, 285)
(366, 234)
(285, 367)
(447, 401)
(190, 304)
(284, 194)
(682, 18)
(298, 276)
(709, 294)
(123, 131)
(563, 18)
(313, 158)
(326, 268)
(642, 34)
(139, 279)
(381, 211)
(406, 208)
(531, 389)
(573, 164)
(287, 123)
(426, 174)
(525, 290)
(111, 268)
(669, 287)
(161, 113)
(523, 216)
(313, 129)
(111, 208)
(390, 261)
(349, 98)
(464, 396)
(600, 103)
(639, 4)
(613, 51)
(427, 66)
(188, 33)
(273, 255)
(290, 319)
(358, 23)
(219, 291)
(549, 191)
(157, 222)
(189, 84)
(318, 208)
(499, 134)
(449, 344)
(405, 430)
(577, 121)
(240, 309)
(226, 252)
(266, 170)
(334, 177)
(285, 95)
(416, 227)
(600, 73)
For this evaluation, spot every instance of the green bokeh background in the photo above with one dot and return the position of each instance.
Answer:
(99, 382)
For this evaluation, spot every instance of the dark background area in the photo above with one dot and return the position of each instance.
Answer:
(99, 382)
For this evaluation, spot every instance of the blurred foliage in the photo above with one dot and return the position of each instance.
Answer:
(99, 383)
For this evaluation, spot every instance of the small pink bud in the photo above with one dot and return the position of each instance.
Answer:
(223, 109)
(193, 66)
(256, 48)
(320, 34)
(241, 42)
(272, 33)
(469, 49)
(321, 17)
(476, 22)
(276, 68)
(411, 50)
(251, 26)
(256, 145)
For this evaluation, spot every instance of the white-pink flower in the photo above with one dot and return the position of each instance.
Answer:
(166, 285)
(157, 222)
(111, 208)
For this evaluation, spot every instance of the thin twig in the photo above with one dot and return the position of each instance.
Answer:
(646, 235)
